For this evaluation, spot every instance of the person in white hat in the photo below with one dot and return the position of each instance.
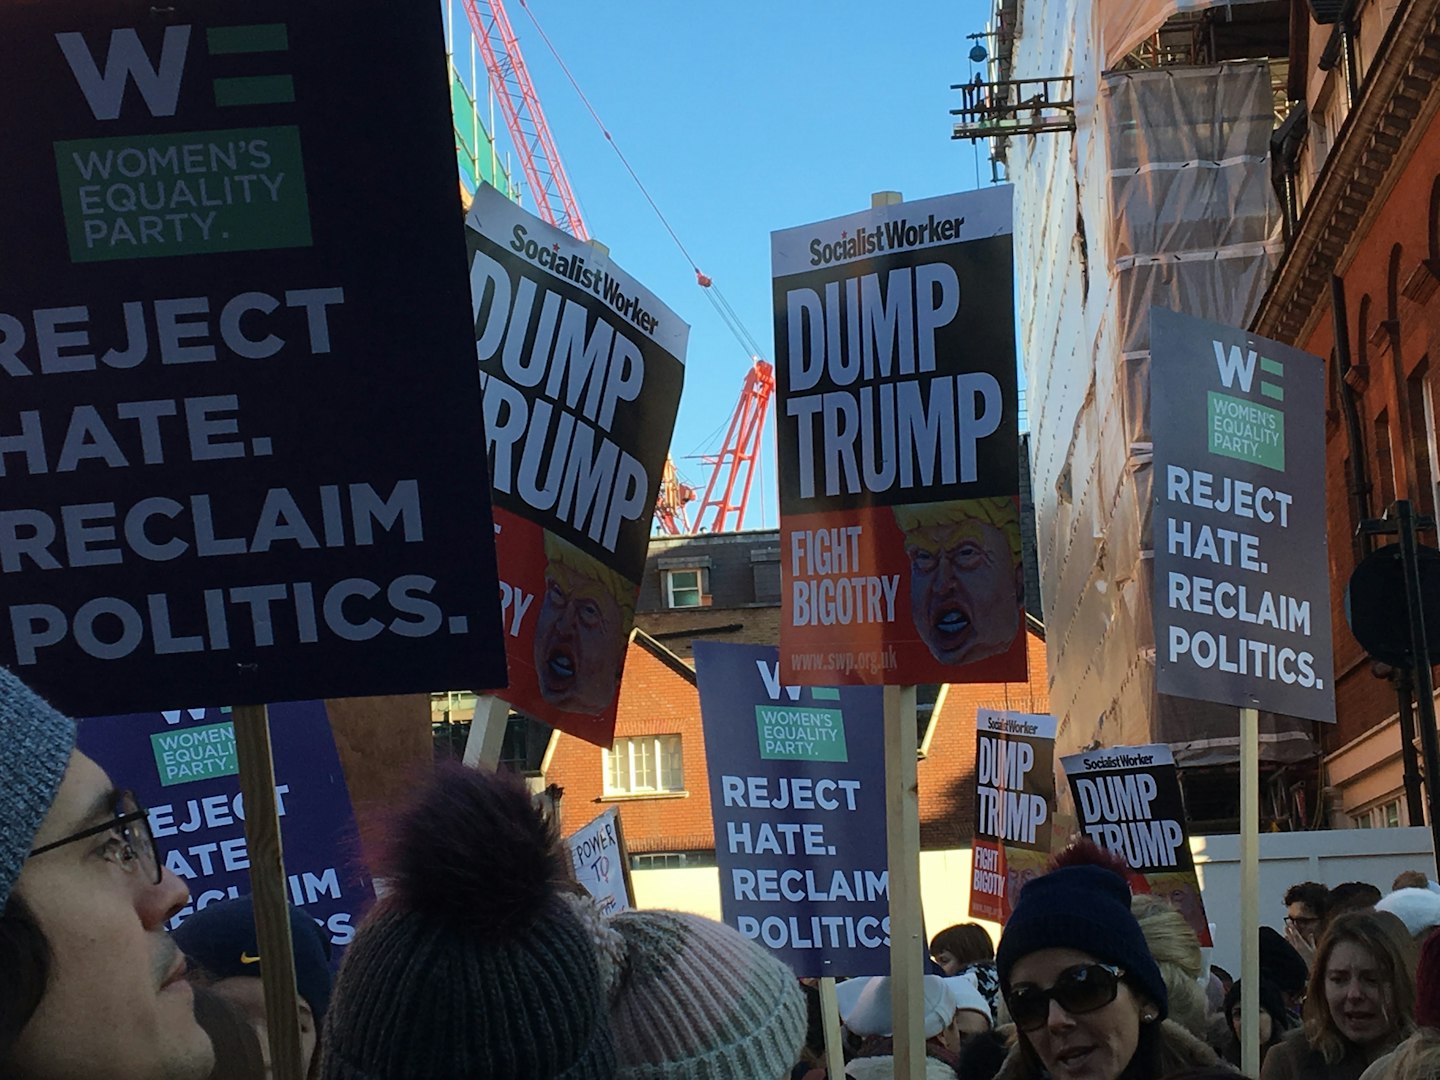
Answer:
(866, 1013)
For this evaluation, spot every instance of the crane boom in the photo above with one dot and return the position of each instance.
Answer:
(510, 78)
(734, 466)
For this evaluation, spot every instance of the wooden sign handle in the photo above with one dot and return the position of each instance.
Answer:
(267, 887)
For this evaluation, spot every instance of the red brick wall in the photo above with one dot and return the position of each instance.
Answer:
(947, 772)
(1390, 352)
(655, 699)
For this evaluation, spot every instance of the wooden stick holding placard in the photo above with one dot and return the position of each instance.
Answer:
(1250, 890)
(830, 1013)
(267, 887)
(624, 855)
(487, 733)
(902, 835)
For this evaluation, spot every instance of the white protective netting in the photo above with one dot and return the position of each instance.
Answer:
(1195, 227)
(1124, 24)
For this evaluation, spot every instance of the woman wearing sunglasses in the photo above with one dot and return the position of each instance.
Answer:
(1359, 1005)
(1087, 998)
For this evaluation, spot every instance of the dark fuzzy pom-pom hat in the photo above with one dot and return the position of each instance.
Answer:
(476, 964)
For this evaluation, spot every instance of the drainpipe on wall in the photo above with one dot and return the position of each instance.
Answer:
(1358, 483)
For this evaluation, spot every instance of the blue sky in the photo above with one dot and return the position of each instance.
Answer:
(743, 118)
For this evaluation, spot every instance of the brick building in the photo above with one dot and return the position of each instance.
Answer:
(1359, 161)
(656, 771)
(726, 587)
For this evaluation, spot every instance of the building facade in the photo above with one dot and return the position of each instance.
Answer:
(1357, 288)
(1145, 181)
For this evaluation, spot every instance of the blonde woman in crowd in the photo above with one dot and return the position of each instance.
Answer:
(1176, 950)
(1359, 1005)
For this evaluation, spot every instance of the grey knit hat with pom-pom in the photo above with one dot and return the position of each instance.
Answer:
(35, 746)
(475, 965)
(692, 999)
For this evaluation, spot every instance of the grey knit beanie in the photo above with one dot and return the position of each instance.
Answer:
(693, 999)
(35, 746)
(475, 966)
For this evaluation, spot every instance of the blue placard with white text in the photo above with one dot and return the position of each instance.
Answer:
(182, 766)
(797, 790)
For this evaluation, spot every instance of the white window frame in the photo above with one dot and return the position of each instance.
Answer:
(631, 762)
(1388, 813)
(701, 588)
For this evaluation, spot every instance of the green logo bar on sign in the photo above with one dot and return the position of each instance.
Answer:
(1247, 431)
(800, 733)
(148, 196)
(195, 753)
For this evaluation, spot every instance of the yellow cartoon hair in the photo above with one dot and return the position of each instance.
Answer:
(1001, 511)
(570, 567)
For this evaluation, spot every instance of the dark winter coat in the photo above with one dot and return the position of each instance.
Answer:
(1293, 1059)
(1178, 1050)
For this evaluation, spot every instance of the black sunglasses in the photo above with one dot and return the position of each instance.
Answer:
(134, 844)
(1079, 989)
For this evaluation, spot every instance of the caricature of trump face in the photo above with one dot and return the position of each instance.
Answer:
(580, 635)
(966, 583)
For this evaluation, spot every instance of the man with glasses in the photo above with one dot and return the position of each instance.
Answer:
(92, 985)
(1305, 910)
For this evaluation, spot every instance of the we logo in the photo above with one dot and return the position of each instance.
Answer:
(104, 91)
(770, 676)
(104, 81)
(1239, 366)
(791, 731)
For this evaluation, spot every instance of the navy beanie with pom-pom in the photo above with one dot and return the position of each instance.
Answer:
(1086, 908)
(475, 964)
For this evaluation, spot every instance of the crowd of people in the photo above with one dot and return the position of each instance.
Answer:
(484, 959)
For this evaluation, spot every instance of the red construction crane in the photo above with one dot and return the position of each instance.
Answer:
(510, 79)
(731, 469)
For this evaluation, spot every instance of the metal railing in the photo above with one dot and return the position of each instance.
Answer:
(1008, 107)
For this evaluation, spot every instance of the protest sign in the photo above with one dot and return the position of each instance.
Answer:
(182, 766)
(1014, 805)
(581, 367)
(225, 333)
(1127, 800)
(1242, 574)
(898, 445)
(598, 858)
(797, 789)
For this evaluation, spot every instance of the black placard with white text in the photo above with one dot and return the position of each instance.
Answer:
(1127, 800)
(1242, 574)
(581, 367)
(897, 439)
(241, 439)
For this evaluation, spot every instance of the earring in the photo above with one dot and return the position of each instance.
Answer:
(1148, 1017)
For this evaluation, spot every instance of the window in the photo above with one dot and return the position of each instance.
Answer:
(687, 588)
(644, 765)
(672, 860)
(1385, 815)
(1388, 816)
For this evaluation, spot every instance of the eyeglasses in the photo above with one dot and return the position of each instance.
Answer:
(131, 844)
(1302, 922)
(1078, 990)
